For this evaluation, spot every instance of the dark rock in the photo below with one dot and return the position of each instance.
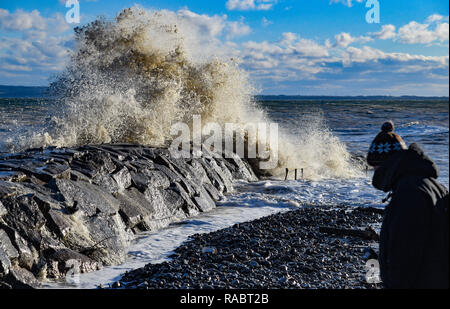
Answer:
(7, 252)
(25, 217)
(89, 198)
(123, 179)
(242, 169)
(84, 204)
(51, 171)
(60, 222)
(67, 259)
(204, 201)
(136, 210)
(106, 241)
(214, 178)
(77, 176)
(190, 208)
(156, 179)
(5, 263)
(139, 181)
(12, 176)
(172, 175)
(107, 182)
(20, 278)
(3, 210)
(8, 189)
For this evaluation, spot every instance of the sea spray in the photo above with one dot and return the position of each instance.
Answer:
(129, 80)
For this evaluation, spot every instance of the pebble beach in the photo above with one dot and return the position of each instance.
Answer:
(281, 251)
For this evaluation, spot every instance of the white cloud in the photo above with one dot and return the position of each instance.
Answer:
(344, 39)
(21, 20)
(348, 3)
(366, 54)
(435, 29)
(288, 38)
(237, 29)
(291, 59)
(387, 32)
(434, 18)
(247, 5)
(206, 35)
(39, 51)
(209, 26)
(416, 33)
(63, 2)
(441, 32)
(265, 22)
(308, 64)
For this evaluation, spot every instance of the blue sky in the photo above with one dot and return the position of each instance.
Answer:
(320, 47)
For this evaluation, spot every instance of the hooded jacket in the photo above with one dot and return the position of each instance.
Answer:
(414, 248)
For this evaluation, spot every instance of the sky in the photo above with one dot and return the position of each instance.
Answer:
(291, 47)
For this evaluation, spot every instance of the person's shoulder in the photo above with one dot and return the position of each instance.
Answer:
(414, 186)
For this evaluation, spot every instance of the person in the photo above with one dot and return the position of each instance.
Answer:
(414, 234)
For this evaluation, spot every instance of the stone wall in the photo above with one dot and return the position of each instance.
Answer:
(64, 206)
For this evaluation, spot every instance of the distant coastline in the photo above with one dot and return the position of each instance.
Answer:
(23, 92)
(43, 92)
(345, 98)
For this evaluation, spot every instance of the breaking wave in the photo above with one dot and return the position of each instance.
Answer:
(129, 80)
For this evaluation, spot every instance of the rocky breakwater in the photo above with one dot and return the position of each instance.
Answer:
(66, 208)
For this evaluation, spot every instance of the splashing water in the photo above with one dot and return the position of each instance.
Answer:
(129, 80)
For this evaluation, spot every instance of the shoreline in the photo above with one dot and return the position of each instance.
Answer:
(290, 250)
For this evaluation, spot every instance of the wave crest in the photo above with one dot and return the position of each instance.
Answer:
(130, 79)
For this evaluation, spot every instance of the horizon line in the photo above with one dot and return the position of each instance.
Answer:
(294, 95)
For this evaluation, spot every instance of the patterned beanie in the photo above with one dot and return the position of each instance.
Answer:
(384, 145)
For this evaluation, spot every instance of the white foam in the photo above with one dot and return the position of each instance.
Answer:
(131, 79)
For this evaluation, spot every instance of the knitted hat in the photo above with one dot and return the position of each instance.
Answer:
(385, 145)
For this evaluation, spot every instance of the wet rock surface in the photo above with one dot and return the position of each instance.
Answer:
(83, 206)
(285, 251)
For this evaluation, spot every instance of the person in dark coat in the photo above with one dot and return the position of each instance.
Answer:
(414, 243)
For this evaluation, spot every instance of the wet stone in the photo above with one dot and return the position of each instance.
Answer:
(7, 253)
(51, 171)
(173, 176)
(190, 208)
(225, 176)
(215, 194)
(20, 278)
(135, 209)
(156, 179)
(141, 164)
(213, 176)
(107, 182)
(89, 198)
(123, 179)
(3, 210)
(87, 203)
(204, 201)
(12, 176)
(77, 176)
(8, 189)
(68, 259)
(7, 246)
(60, 222)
